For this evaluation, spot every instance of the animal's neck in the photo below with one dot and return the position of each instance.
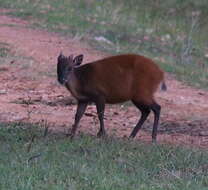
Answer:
(73, 85)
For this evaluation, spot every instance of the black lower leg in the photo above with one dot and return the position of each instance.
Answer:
(100, 105)
(156, 109)
(145, 110)
(79, 113)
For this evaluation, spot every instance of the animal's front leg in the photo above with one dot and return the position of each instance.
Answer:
(81, 107)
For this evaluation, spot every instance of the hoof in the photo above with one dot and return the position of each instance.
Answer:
(130, 137)
(154, 141)
(101, 134)
(70, 135)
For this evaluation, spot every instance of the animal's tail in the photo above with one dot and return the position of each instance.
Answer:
(163, 86)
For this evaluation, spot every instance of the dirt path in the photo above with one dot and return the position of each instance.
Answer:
(29, 91)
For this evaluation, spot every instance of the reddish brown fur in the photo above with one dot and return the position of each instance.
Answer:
(113, 80)
(126, 77)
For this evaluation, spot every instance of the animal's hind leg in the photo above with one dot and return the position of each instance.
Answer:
(156, 109)
(145, 110)
(100, 105)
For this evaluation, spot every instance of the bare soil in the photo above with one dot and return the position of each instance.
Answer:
(29, 91)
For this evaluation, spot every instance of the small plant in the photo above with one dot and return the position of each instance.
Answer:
(4, 50)
(188, 47)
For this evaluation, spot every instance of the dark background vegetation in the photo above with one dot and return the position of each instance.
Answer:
(172, 32)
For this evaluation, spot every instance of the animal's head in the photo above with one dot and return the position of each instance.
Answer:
(66, 65)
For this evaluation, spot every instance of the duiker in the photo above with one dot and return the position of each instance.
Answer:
(113, 80)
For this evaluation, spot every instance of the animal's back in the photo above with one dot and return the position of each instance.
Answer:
(124, 77)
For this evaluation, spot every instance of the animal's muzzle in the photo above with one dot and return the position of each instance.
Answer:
(62, 81)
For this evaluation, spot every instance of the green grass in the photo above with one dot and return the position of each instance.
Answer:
(173, 32)
(31, 160)
(8, 57)
(4, 50)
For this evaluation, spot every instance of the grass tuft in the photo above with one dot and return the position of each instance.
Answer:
(4, 50)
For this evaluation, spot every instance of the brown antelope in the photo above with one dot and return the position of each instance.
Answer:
(112, 80)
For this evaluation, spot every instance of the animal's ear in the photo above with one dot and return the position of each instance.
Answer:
(61, 56)
(78, 60)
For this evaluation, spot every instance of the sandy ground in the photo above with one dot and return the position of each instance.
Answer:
(29, 91)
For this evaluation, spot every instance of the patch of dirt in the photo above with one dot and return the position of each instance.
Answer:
(29, 91)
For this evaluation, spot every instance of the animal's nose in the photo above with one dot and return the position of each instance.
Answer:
(62, 81)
